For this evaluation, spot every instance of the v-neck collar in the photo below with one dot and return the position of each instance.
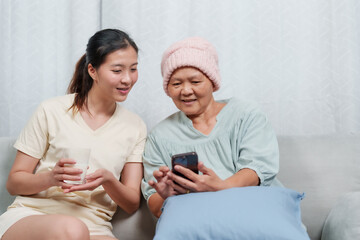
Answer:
(82, 122)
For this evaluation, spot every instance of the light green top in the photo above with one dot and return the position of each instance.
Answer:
(241, 138)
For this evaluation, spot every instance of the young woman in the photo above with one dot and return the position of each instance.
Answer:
(233, 139)
(88, 117)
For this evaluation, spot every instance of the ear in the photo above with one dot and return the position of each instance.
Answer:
(92, 72)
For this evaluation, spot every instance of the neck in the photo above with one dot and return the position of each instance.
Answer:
(96, 105)
(206, 121)
(210, 113)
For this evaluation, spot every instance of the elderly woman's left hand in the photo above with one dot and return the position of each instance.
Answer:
(207, 182)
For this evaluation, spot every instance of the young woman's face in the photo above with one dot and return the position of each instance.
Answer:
(117, 75)
(191, 91)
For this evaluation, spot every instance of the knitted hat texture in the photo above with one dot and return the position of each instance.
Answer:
(191, 52)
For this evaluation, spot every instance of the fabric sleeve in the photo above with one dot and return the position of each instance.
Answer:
(33, 139)
(152, 160)
(136, 155)
(258, 147)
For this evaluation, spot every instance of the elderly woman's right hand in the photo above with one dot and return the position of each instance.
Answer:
(163, 185)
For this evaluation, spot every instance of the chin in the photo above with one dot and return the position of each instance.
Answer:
(189, 113)
(121, 99)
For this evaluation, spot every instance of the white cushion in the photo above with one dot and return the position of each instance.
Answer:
(325, 168)
(343, 221)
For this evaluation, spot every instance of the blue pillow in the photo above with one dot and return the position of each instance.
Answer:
(236, 213)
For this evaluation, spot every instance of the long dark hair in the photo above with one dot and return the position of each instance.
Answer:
(99, 46)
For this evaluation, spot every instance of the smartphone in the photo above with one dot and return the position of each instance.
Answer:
(188, 160)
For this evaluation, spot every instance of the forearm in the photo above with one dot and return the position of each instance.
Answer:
(24, 183)
(243, 178)
(155, 203)
(125, 197)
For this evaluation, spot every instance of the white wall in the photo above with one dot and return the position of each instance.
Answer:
(299, 59)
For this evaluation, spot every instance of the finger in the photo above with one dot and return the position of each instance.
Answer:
(186, 172)
(65, 185)
(64, 161)
(164, 169)
(61, 165)
(159, 175)
(92, 176)
(182, 182)
(158, 187)
(63, 173)
(70, 170)
(203, 169)
(67, 177)
(178, 188)
(152, 183)
(99, 173)
(86, 186)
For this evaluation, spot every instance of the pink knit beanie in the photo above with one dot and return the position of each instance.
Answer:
(191, 52)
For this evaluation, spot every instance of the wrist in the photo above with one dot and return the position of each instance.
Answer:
(225, 184)
(109, 179)
(155, 203)
(50, 181)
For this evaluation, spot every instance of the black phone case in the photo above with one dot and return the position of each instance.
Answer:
(188, 160)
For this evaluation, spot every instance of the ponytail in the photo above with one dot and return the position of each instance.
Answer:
(80, 84)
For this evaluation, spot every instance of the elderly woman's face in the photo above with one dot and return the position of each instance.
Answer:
(191, 91)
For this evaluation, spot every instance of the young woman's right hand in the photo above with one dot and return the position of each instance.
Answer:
(62, 172)
(23, 181)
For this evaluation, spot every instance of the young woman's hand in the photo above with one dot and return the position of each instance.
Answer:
(23, 181)
(164, 185)
(93, 180)
(61, 172)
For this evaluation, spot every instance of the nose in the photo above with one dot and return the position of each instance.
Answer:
(187, 89)
(126, 78)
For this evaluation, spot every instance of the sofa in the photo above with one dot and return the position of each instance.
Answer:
(325, 168)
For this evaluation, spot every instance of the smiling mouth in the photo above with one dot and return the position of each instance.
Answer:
(188, 100)
(123, 89)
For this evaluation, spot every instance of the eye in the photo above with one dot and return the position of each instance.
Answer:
(116, 71)
(133, 69)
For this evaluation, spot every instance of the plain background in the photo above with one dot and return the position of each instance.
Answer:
(300, 60)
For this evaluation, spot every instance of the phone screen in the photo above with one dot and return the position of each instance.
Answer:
(188, 160)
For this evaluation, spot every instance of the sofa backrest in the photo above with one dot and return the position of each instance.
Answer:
(7, 156)
(324, 167)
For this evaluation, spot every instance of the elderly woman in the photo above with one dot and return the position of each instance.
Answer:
(233, 139)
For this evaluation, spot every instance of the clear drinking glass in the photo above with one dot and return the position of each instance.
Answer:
(81, 156)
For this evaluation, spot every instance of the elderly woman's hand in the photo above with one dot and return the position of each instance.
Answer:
(207, 182)
(164, 185)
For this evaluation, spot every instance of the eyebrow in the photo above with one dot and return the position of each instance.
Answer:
(122, 65)
(189, 78)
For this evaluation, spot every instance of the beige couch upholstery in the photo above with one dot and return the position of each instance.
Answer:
(324, 167)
